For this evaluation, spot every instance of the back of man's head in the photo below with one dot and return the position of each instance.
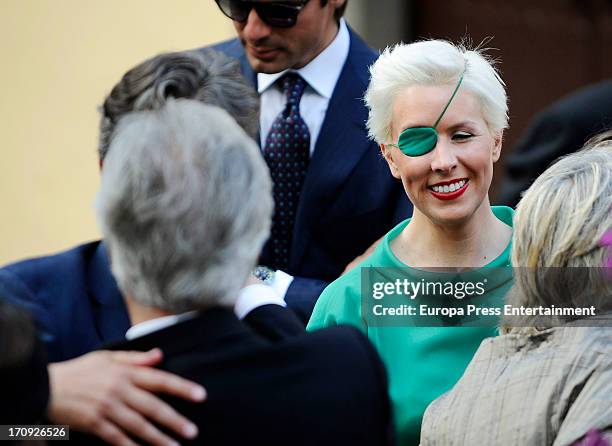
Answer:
(184, 206)
(207, 76)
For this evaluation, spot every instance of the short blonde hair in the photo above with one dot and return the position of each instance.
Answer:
(560, 222)
(433, 62)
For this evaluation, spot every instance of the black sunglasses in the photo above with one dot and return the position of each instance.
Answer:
(277, 14)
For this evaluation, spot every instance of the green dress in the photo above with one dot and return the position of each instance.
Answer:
(422, 362)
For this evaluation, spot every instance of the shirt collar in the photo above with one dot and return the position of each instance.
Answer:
(159, 323)
(323, 71)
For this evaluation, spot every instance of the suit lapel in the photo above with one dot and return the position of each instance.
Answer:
(341, 144)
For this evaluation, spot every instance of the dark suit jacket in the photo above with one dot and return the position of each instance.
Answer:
(282, 388)
(349, 198)
(558, 130)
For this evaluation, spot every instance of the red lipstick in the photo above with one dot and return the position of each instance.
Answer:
(449, 195)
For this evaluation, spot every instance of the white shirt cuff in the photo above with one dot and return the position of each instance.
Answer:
(254, 296)
(281, 283)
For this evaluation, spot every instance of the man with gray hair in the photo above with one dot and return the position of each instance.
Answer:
(185, 207)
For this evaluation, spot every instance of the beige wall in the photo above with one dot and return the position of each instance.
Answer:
(59, 59)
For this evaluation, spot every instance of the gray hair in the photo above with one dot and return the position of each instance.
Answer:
(560, 223)
(432, 62)
(207, 76)
(184, 205)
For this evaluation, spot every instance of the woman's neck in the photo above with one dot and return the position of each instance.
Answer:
(473, 243)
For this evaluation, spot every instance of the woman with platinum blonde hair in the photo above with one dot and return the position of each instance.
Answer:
(438, 112)
(546, 386)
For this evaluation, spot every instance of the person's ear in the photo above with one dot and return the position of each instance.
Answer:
(386, 153)
(497, 145)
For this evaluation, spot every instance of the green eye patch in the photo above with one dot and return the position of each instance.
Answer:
(417, 141)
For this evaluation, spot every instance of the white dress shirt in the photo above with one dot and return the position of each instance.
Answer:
(249, 298)
(159, 323)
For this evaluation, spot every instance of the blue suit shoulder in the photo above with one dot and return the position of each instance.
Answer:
(231, 47)
(360, 56)
(39, 273)
(73, 298)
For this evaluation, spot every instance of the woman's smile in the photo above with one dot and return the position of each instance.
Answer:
(449, 190)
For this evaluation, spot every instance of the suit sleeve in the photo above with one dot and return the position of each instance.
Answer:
(274, 322)
(15, 291)
(302, 295)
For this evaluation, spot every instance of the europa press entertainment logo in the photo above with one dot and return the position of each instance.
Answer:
(433, 297)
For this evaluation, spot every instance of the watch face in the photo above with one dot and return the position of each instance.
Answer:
(265, 274)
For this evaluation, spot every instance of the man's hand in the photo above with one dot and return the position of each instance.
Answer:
(111, 395)
(357, 260)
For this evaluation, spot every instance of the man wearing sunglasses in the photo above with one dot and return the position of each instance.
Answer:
(333, 194)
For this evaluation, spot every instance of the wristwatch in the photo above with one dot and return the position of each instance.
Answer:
(263, 273)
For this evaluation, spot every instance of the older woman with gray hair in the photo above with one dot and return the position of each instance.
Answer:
(545, 386)
(438, 112)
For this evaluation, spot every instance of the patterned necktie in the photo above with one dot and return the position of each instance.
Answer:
(287, 152)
